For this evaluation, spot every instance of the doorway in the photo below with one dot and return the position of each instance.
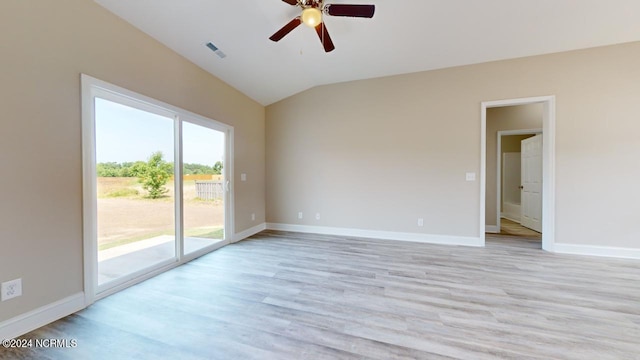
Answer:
(509, 186)
(548, 164)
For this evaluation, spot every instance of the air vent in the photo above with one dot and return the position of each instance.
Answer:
(217, 51)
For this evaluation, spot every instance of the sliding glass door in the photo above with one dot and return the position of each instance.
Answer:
(203, 186)
(135, 193)
(156, 189)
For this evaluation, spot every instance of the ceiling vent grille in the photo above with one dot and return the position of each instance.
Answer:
(217, 51)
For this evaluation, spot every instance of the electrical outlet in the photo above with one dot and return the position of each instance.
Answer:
(317, 216)
(300, 215)
(253, 217)
(11, 289)
(421, 222)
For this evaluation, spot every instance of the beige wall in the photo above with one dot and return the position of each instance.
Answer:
(513, 143)
(45, 45)
(377, 154)
(501, 119)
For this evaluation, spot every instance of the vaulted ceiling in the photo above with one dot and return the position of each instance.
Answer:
(404, 36)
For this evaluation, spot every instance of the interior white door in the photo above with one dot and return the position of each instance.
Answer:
(531, 168)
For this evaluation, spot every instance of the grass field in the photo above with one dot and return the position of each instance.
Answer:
(130, 188)
(109, 187)
(125, 215)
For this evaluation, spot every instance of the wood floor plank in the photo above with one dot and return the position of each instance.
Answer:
(281, 295)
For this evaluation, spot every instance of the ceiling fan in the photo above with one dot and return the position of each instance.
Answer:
(312, 12)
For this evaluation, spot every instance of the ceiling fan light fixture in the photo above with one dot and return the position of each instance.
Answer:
(313, 12)
(311, 16)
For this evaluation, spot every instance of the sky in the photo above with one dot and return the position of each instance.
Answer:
(126, 134)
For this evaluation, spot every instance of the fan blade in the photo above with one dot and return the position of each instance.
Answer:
(325, 39)
(365, 11)
(286, 29)
(291, 2)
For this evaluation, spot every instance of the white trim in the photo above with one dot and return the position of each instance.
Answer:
(249, 232)
(593, 250)
(499, 166)
(519, 132)
(89, 189)
(178, 203)
(483, 173)
(229, 175)
(548, 163)
(375, 234)
(549, 174)
(493, 229)
(41, 316)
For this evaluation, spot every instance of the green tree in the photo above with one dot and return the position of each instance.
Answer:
(108, 169)
(153, 175)
(217, 168)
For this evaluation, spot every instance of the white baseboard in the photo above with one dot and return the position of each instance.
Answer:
(42, 316)
(249, 232)
(492, 229)
(375, 234)
(593, 250)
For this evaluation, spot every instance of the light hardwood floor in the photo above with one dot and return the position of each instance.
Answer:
(508, 227)
(292, 296)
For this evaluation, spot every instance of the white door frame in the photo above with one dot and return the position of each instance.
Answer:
(499, 167)
(548, 163)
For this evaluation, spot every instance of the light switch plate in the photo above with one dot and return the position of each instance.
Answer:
(471, 176)
(243, 177)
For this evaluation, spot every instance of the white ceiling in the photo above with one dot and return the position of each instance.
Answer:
(404, 36)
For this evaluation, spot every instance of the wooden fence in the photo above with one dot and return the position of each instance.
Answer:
(200, 177)
(209, 190)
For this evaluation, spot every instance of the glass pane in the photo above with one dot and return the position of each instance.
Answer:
(135, 192)
(203, 186)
